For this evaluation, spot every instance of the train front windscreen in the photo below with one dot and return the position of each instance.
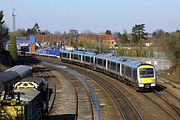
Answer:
(146, 72)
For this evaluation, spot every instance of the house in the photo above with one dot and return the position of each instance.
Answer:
(107, 40)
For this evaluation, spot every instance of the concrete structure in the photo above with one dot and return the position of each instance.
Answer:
(160, 64)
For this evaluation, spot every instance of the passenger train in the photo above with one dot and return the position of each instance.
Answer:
(140, 75)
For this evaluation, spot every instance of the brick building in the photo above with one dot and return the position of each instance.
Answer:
(107, 40)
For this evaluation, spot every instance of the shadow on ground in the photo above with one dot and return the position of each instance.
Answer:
(27, 60)
(40, 69)
(62, 117)
(160, 88)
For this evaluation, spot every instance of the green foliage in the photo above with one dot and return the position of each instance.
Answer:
(174, 47)
(3, 30)
(138, 33)
(33, 31)
(124, 38)
(13, 48)
(74, 43)
(121, 51)
(88, 40)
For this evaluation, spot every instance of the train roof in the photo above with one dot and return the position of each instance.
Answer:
(80, 52)
(110, 57)
(27, 94)
(132, 63)
(126, 61)
(104, 56)
(8, 76)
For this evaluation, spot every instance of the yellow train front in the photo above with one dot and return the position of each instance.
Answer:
(28, 101)
(146, 76)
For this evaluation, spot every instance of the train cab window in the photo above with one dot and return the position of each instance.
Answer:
(146, 72)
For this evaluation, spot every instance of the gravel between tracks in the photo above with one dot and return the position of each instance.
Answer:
(65, 102)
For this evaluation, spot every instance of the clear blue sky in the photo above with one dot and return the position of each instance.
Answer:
(93, 15)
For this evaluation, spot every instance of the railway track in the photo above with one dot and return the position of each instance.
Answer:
(157, 103)
(41, 71)
(125, 106)
(168, 97)
(84, 107)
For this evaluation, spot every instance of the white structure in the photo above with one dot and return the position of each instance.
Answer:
(14, 15)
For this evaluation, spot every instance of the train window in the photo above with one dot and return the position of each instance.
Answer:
(68, 55)
(83, 58)
(72, 56)
(91, 59)
(123, 69)
(128, 72)
(135, 74)
(87, 59)
(75, 56)
(118, 67)
(100, 62)
(104, 63)
(109, 65)
(79, 58)
(95, 60)
(64, 55)
(113, 66)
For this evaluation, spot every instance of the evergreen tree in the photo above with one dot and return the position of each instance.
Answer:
(138, 33)
(108, 32)
(13, 47)
(3, 30)
(124, 37)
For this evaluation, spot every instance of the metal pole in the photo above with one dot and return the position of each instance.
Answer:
(99, 45)
(14, 15)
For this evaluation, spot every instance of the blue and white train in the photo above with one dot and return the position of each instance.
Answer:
(136, 73)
